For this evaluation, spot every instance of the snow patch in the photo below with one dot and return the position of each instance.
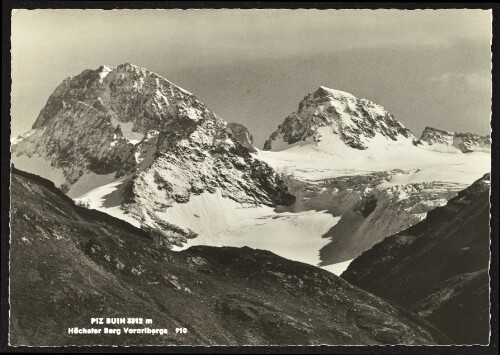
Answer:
(338, 268)
(105, 70)
(108, 199)
(15, 140)
(127, 131)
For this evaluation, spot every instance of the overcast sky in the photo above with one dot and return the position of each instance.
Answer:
(427, 67)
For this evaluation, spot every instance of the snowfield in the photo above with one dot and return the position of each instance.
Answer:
(41, 166)
(338, 268)
(300, 235)
(331, 158)
(220, 221)
(295, 236)
(107, 198)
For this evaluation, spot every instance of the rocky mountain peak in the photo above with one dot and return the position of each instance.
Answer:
(323, 91)
(135, 95)
(354, 121)
(129, 123)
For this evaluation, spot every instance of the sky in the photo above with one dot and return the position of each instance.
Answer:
(426, 67)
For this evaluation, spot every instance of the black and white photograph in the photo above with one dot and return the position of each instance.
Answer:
(249, 177)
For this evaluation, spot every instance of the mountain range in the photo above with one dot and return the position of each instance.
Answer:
(338, 177)
(128, 142)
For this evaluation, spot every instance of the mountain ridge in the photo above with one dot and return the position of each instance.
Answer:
(128, 142)
(357, 121)
(465, 142)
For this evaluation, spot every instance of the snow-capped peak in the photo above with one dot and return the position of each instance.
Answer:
(336, 94)
(328, 115)
(139, 98)
(126, 128)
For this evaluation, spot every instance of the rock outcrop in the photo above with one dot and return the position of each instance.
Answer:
(242, 135)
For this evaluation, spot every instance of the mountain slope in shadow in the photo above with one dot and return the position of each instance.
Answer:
(437, 268)
(69, 264)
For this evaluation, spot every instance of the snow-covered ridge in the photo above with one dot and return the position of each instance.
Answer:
(336, 94)
(465, 142)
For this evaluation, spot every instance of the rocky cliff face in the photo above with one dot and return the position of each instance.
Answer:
(438, 267)
(70, 264)
(242, 135)
(355, 121)
(129, 125)
(465, 142)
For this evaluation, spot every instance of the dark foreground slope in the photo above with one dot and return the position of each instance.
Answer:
(69, 264)
(437, 268)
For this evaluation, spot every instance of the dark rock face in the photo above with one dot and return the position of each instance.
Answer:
(134, 94)
(242, 135)
(465, 142)
(351, 118)
(438, 267)
(69, 264)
